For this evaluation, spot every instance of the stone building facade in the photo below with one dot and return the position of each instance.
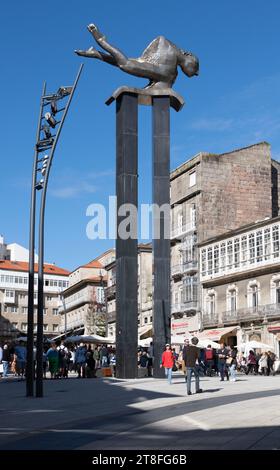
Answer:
(83, 309)
(240, 279)
(210, 195)
(145, 293)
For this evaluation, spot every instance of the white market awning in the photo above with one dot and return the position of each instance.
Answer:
(216, 334)
(145, 331)
(89, 339)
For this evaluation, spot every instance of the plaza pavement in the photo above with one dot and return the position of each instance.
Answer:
(141, 414)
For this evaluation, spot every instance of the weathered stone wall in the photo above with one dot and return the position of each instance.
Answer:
(275, 187)
(236, 190)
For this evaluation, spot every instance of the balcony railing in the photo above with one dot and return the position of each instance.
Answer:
(242, 315)
(190, 266)
(210, 320)
(72, 324)
(252, 313)
(110, 292)
(179, 269)
(111, 316)
(182, 307)
(181, 230)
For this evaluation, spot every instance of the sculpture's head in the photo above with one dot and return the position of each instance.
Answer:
(189, 64)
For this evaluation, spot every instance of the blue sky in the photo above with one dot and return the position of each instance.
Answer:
(234, 102)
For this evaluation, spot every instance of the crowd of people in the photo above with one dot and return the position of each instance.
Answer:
(84, 360)
(58, 359)
(223, 362)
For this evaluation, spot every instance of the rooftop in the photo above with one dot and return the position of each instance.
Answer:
(24, 266)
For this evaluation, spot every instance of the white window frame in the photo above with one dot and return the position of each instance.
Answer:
(192, 178)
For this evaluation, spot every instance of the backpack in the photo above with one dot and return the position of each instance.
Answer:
(209, 354)
(62, 352)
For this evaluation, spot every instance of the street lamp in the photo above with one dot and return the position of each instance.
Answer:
(46, 141)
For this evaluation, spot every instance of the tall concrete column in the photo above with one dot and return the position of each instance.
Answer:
(161, 239)
(126, 249)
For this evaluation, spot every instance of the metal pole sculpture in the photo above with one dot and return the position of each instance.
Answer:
(46, 142)
(159, 64)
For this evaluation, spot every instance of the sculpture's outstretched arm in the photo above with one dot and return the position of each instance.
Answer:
(94, 54)
(119, 57)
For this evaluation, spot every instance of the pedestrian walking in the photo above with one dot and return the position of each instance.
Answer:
(222, 366)
(53, 358)
(232, 363)
(20, 356)
(191, 358)
(167, 361)
(80, 360)
(5, 360)
(251, 363)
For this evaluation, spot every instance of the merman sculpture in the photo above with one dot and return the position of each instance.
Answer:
(158, 63)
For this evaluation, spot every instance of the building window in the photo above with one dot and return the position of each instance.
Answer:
(244, 250)
(236, 252)
(55, 311)
(203, 262)
(216, 258)
(14, 309)
(180, 221)
(254, 297)
(252, 248)
(267, 243)
(55, 328)
(24, 326)
(211, 302)
(259, 246)
(151, 319)
(254, 294)
(22, 296)
(275, 289)
(229, 254)
(45, 311)
(278, 295)
(146, 320)
(192, 179)
(210, 260)
(275, 238)
(49, 298)
(14, 325)
(223, 256)
(45, 327)
(231, 298)
(189, 251)
(193, 216)
(189, 292)
(24, 310)
(10, 294)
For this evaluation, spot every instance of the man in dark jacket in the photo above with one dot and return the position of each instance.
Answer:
(222, 357)
(191, 356)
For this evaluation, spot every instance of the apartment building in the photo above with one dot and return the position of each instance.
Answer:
(83, 309)
(14, 251)
(14, 297)
(240, 278)
(145, 293)
(207, 200)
